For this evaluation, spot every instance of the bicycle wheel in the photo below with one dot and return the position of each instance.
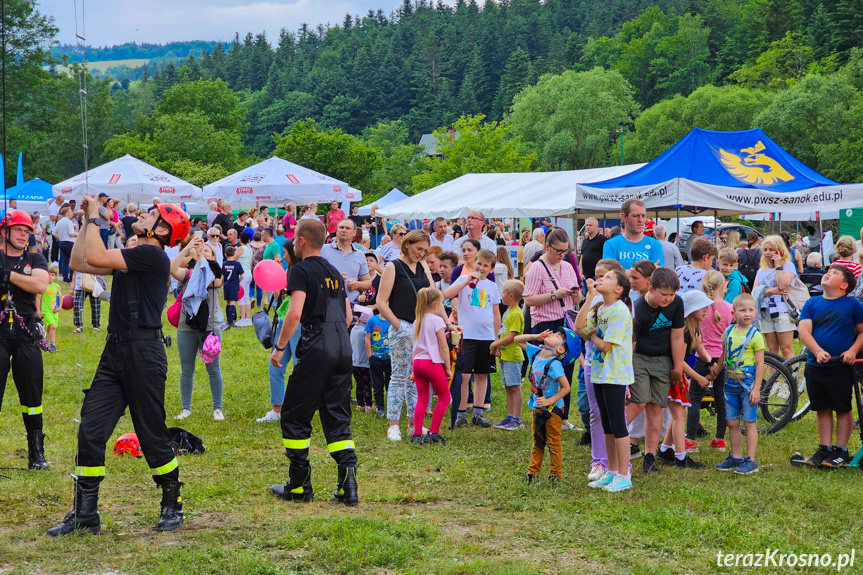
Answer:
(797, 366)
(778, 395)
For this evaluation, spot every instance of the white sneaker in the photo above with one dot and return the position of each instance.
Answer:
(596, 472)
(394, 434)
(218, 415)
(411, 430)
(243, 323)
(184, 414)
(269, 417)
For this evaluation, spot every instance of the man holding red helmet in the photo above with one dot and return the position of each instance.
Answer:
(23, 274)
(133, 367)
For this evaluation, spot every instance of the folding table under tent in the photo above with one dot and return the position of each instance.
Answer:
(394, 195)
(507, 195)
(276, 182)
(32, 195)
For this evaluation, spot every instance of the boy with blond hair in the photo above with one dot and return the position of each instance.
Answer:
(510, 354)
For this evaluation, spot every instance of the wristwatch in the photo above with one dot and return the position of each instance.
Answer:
(277, 348)
(94, 221)
(553, 296)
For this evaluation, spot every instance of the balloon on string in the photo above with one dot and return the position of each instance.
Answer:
(270, 276)
(241, 293)
(67, 302)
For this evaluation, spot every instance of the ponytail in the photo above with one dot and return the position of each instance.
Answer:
(426, 299)
(711, 283)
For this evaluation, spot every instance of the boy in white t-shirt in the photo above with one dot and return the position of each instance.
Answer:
(479, 317)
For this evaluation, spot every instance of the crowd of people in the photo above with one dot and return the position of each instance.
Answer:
(416, 326)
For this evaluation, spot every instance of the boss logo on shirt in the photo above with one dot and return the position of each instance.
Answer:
(632, 255)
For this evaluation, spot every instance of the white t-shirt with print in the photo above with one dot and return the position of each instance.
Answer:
(476, 309)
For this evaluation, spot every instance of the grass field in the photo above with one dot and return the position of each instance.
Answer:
(459, 509)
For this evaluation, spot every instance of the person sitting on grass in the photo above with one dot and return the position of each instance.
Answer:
(511, 354)
(549, 385)
(831, 325)
(743, 357)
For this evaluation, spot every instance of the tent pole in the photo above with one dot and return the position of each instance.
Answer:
(715, 227)
(821, 231)
(677, 237)
(575, 233)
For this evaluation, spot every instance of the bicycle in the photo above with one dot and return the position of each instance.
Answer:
(797, 366)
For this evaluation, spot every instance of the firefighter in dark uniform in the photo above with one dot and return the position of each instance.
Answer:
(133, 367)
(22, 276)
(321, 379)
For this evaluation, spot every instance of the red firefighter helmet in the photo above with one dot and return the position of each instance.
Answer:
(17, 218)
(128, 443)
(175, 217)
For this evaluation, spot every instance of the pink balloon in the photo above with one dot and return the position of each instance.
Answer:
(269, 276)
(241, 293)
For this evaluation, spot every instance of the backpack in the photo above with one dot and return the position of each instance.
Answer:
(748, 264)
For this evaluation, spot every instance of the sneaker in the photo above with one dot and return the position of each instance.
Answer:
(567, 426)
(184, 414)
(606, 478)
(620, 483)
(819, 456)
(460, 421)
(434, 439)
(717, 444)
(243, 323)
(649, 464)
(837, 458)
(511, 425)
(596, 472)
(687, 463)
(480, 420)
(729, 464)
(666, 456)
(382, 414)
(634, 451)
(747, 466)
(584, 439)
(411, 430)
(416, 439)
(502, 423)
(531, 479)
(394, 434)
(269, 417)
(218, 415)
(691, 446)
(700, 432)
(554, 480)
(369, 409)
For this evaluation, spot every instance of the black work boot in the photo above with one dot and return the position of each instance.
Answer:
(346, 489)
(172, 506)
(36, 450)
(85, 516)
(298, 487)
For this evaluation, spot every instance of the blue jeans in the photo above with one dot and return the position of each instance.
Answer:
(104, 235)
(583, 403)
(259, 293)
(277, 374)
(65, 257)
(189, 344)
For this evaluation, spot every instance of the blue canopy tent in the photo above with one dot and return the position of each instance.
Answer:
(32, 195)
(731, 173)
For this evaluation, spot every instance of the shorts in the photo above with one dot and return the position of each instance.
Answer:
(510, 373)
(830, 387)
(49, 318)
(780, 324)
(477, 357)
(652, 379)
(679, 392)
(737, 404)
(232, 293)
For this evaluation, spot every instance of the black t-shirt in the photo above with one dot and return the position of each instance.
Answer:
(25, 302)
(591, 252)
(239, 227)
(358, 220)
(320, 281)
(149, 268)
(456, 231)
(651, 326)
(372, 294)
(223, 221)
(127, 225)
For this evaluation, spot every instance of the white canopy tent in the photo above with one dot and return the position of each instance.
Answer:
(129, 179)
(394, 195)
(509, 195)
(793, 217)
(278, 181)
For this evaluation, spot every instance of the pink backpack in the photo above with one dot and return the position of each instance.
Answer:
(211, 349)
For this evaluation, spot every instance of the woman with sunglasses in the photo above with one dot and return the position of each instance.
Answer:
(392, 250)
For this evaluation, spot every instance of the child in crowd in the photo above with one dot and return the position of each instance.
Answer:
(549, 386)
(431, 365)
(658, 356)
(232, 272)
(378, 350)
(369, 297)
(831, 325)
(744, 360)
(510, 353)
(673, 448)
(448, 262)
(719, 317)
(479, 317)
(608, 326)
(360, 363)
(737, 282)
(639, 278)
(702, 253)
(48, 306)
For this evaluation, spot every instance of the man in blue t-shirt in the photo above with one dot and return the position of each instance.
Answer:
(831, 326)
(632, 245)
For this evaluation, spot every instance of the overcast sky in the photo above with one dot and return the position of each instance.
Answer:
(110, 22)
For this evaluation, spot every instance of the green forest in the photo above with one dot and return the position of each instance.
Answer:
(510, 85)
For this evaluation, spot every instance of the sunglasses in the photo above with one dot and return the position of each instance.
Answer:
(400, 234)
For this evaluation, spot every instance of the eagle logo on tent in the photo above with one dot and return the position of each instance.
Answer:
(755, 167)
